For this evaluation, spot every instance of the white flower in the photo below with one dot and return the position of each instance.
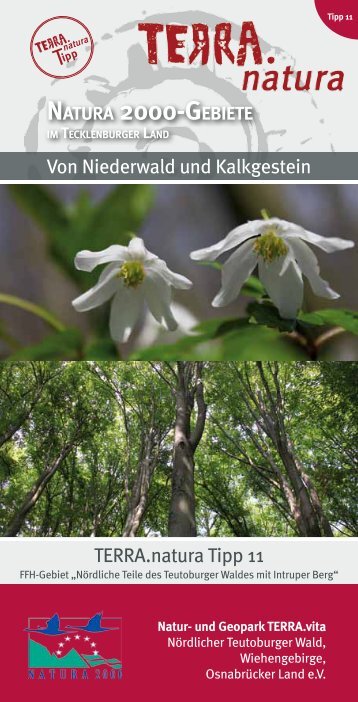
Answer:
(133, 276)
(279, 249)
(153, 333)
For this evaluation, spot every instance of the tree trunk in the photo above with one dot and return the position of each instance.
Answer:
(36, 491)
(324, 523)
(306, 508)
(182, 521)
(306, 516)
(139, 494)
(46, 522)
(13, 428)
(182, 509)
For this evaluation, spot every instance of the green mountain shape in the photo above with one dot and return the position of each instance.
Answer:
(94, 661)
(40, 657)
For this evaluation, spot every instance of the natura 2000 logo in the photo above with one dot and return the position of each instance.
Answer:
(72, 648)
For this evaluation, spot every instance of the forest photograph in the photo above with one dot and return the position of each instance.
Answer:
(178, 272)
(180, 449)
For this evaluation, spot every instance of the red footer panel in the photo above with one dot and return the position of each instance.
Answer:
(175, 642)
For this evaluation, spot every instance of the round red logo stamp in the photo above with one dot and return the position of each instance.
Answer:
(61, 47)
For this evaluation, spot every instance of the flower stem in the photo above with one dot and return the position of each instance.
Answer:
(328, 335)
(308, 345)
(33, 309)
(265, 214)
(312, 347)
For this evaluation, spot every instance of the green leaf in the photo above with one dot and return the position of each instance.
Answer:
(216, 327)
(122, 211)
(253, 288)
(182, 349)
(66, 344)
(51, 216)
(227, 340)
(258, 343)
(103, 350)
(266, 313)
(44, 208)
(210, 264)
(346, 319)
(31, 307)
(263, 313)
(84, 225)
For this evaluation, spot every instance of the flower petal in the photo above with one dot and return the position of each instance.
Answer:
(125, 310)
(234, 238)
(327, 244)
(152, 332)
(101, 292)
(235, 271)
(88, 260)
(174, 279)
(137, 251)
(308, 264)
(158, 296)
(286, 290)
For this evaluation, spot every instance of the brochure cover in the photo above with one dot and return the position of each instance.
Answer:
(178, 350)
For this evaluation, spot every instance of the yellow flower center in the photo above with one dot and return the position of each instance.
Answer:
(132, 273)
(270, 246)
